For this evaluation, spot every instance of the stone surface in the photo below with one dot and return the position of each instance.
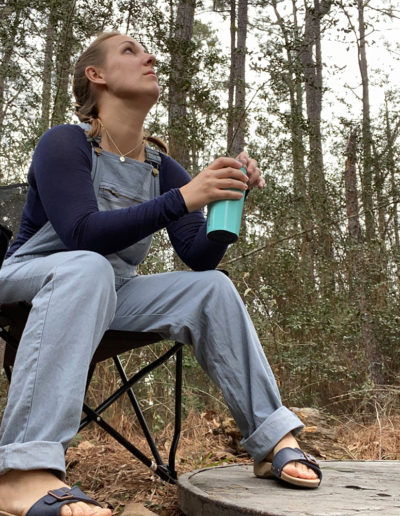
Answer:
(348, 488)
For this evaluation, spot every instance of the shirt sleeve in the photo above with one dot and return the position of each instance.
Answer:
(188, 234)
(61, 168)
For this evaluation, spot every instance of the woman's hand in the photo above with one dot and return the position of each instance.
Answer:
(253, 172)
(216, 181)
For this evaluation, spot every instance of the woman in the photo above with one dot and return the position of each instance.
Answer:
(96, 195)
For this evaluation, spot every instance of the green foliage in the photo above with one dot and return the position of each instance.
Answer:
(312, 335)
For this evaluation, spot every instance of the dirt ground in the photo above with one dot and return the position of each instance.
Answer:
(109, 473)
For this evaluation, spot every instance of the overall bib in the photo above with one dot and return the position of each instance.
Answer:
(77, 295)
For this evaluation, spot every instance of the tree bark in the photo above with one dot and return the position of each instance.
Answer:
(351, 191)
(232, 75)
(366, 129)
(7, 51)
(180, 83)
(311, 61)
(359, 277)
(237, 78)
(63, 63)
(391, 136)
(47, 73)
(294, 84)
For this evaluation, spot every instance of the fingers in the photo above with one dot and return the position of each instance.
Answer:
(224, 162)
(231, 178)
(255, 178)
(223, 179)
(253, 172)
(244, 158)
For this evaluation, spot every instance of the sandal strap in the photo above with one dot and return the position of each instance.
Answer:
(287, 455)
(51, 503)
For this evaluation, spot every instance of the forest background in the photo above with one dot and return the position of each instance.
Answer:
(318, 259)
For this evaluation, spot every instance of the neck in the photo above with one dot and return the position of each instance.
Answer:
(125, 131)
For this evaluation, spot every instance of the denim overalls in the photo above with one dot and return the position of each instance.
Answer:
(116, 185)
(77, 295)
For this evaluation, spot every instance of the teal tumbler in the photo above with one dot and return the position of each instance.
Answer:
(223, 219)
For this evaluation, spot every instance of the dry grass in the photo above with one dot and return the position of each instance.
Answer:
(109, 473)
(378, 440)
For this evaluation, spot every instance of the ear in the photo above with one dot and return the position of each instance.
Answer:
(95, 74)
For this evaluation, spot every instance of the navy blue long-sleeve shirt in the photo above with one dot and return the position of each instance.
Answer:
(61, 191)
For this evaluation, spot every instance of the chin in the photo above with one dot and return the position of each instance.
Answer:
(143, 98)
(154, 95)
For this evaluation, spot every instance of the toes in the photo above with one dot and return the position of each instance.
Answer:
(298, 470)
(66, 510)
(79, 509)
(101, 512)
(75, 509)
(83, 509)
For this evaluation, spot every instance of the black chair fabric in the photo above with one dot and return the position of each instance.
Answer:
(5, 237)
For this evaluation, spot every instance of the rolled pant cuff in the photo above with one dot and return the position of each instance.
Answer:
(270, 432)
(33, 455)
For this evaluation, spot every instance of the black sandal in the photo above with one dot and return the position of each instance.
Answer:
(268, 469)
(50, 504)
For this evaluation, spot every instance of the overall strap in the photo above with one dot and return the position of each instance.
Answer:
(96, 152)
(153, 158)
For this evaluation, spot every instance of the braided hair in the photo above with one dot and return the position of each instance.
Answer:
(85, 96)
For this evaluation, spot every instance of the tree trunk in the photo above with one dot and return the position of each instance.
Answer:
(7, 54)
(311, 61)
(232, 76)
(296, 126)
(237, 79)
(394, 190)
(63, 63)
(359, 280)
(351, 191)
(180, 83)
(366, 129)
(47, 73)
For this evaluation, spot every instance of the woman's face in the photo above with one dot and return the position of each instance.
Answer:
(128, 70)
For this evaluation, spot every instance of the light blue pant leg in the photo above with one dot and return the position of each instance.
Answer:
(73, 302)
(205, 310)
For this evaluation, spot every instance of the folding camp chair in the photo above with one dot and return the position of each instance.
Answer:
(12, 322)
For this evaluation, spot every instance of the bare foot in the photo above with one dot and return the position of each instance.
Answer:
(19, 490)
(294, 469)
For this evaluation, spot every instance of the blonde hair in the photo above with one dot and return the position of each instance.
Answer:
(85, 96)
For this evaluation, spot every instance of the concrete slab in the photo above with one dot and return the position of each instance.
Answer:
(348, 488)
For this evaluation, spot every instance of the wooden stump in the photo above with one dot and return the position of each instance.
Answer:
(348, 488)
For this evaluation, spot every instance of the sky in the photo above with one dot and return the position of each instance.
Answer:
(342, 56)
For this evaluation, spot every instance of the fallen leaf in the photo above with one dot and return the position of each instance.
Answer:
(136, 509)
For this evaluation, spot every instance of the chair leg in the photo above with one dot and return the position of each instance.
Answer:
(160, 469)
(164, 471)
(8, 372)
(138, 412)
(92, 367)
(178, 413)
(13, 343)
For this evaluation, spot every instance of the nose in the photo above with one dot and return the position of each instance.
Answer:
(151, 60)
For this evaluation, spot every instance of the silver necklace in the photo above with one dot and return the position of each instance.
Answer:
(121, 155)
